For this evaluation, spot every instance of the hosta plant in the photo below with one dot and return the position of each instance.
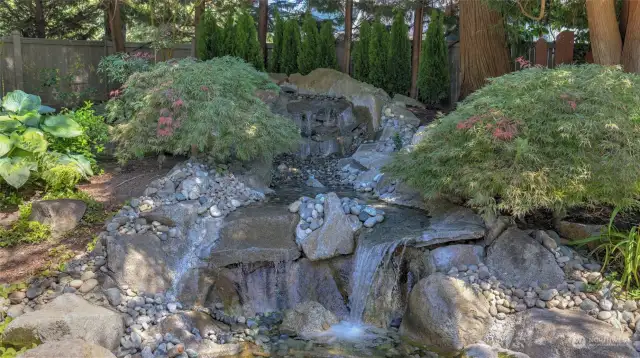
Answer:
(23, 144)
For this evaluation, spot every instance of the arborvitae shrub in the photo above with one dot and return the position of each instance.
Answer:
(246, 45)
(308, 56)
(433, 78)
(209, 38)
(399, 56)
(290, 47)
(536, 139)
(378, 52)
(327, 48)
(361, 53)
(228, 36)
(210, 104)
(275, 60)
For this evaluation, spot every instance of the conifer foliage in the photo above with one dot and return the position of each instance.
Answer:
(209, 38)
(361, 53)
(290, 47)
(327, 47)
(308, 56)
(399, 63)
(378, 53)
(433, 78)
(275, 60)
(228, 35)
(246, 44)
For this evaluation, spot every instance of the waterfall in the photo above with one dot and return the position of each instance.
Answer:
(368, 259)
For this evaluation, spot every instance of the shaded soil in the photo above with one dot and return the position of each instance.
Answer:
(112, 188)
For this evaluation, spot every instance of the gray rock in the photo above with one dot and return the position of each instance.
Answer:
(445, 315)
(334, 237)
(517, 259)
(295, 206)
(68, 348)
(88, 285)
(307, 320)
(314, 183)
(67, 316)
(63, 215)
(370, 222)
(547, 295)
(450, 256)
(606, 305)
(450, 223)
(113, 296)
(480, 350)
(559, 333)
(16, 297)
(546, 240)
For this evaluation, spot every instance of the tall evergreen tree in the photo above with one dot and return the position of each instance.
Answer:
(246, 44)
(378, 53)
(229, 35)
(361, 53)
(433, 79)
(275, 60)
(327, 47)
(209, 37)
(399, 66)
(290, 47)
(308, 56)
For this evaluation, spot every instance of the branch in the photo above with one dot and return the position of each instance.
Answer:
(543, 4)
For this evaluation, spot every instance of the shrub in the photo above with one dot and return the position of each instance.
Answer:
(327, 47)
(275, 60)
(228, 36)
(118, 67)
(93, 139)
(400, 56)
(247, 46)
(209, 39)
(24, 231)
(378, 51)
(536, 139)
(209, 105)
(290, 47)
(361, 53)
(433, 78)
(23, 138)
(308, 55)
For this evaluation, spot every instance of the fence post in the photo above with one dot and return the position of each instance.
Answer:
(17, 60)
(541, 52)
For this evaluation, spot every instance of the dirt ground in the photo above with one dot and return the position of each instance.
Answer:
(112, 188)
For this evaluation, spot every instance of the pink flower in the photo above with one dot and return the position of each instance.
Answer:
(204, 88)
(573, 104)
(165, 127)
(178, 103)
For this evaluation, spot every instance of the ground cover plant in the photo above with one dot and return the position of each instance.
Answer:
(211, 106)
(536, 139)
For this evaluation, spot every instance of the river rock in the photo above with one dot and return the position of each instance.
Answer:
(450, 256)
(63, 215)
(445, 315)
(69, 348)
(334, 237)
(517, 259)
(559, 333)
(67, 316)
(307, 319)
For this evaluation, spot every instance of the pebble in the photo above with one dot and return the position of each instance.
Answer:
(215, 211)
(172, 307)
(370, 222)
(75, 284)
(606, 305)
(604, 315)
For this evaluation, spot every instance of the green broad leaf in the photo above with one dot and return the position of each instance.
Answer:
(6, 144)
(62, 126)
(16, 171)
(30, 119)
(84, 166)
(19, 102)
(8, 124)
(46, 110)
(32, 140)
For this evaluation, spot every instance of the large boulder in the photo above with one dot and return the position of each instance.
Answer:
(480, 350)
(451, 223)
(330, 82)
(407, 101)
(69, 348)
(368, 156)
(560, 333)
(334, 237)
(307, 319)
(518, 259)
(67, 316)
(450, 256)
(255, 234)
(444, 315)
(62, 215)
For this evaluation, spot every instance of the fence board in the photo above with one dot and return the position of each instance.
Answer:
(564, 48)
(541, 52)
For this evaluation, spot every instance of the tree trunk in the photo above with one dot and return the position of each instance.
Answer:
(631, 51)
(263, 16)
(348, 31)
(606, 43)
(197, 24)
(115, 26)
(40, 23)
(415, 49)
(624, 18)
(483, 48)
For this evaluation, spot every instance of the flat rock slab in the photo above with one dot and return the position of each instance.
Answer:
(368, 156)
(255, 234)
(560, 333)
(518, 259)
(69, 348)
(450, 223)
(63, 215)
(67, 316)
(455, 255)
